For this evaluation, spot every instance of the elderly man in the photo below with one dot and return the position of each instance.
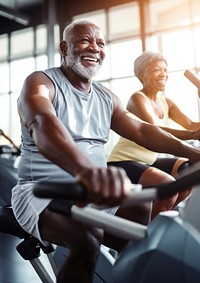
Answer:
(65, 120)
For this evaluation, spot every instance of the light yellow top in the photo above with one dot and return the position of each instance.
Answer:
(128, 150)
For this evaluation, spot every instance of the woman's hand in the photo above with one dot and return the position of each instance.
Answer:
(196, 134)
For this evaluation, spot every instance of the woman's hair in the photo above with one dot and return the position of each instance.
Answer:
(144, 60)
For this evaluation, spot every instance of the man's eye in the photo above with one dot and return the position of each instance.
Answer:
(84, 40)
(101, 44)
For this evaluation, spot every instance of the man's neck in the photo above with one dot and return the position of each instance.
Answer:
(76, 80)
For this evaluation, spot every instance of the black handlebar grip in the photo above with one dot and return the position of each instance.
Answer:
(67, 191)
(187, 179)
(61, 206)
(75, 191)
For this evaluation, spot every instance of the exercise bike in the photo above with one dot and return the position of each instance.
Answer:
(168, 250)
(9, 156)
(12, 236)
(164, 244)
(141, 238)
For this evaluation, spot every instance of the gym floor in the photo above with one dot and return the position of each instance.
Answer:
(13, 268)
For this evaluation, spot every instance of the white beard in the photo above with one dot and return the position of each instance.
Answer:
(75, 63)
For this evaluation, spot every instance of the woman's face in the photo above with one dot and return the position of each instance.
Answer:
(155, 76)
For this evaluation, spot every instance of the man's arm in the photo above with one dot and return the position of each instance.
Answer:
(104, 185)
(48, 132)
(184, 134)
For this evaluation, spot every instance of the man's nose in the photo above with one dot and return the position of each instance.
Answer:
(94, 46)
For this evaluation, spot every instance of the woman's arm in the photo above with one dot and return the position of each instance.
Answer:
(147, 135)
(141, 106)
(180, 118)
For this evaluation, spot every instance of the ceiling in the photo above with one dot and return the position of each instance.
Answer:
(20, 3)
(17, 14)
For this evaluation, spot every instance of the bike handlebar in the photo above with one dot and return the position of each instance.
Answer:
(68, 190)
(11, 150)
(188, 178)
(75, 191)
(193, 78)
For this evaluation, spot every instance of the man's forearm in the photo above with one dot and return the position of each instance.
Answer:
(161, 141)
(181, 134)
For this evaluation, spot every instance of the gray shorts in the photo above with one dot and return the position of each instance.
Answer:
(27, 208)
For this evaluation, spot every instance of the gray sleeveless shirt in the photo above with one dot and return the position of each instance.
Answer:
(87, 117)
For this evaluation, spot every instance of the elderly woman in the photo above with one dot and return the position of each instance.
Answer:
(150, 105)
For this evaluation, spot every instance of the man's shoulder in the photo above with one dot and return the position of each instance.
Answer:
(51, 70)
(98, 86)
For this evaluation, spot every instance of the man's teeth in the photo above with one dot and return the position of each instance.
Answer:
(90, 59)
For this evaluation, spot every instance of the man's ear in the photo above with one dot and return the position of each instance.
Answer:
(63, 47)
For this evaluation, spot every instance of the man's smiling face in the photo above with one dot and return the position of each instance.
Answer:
(86, 51)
